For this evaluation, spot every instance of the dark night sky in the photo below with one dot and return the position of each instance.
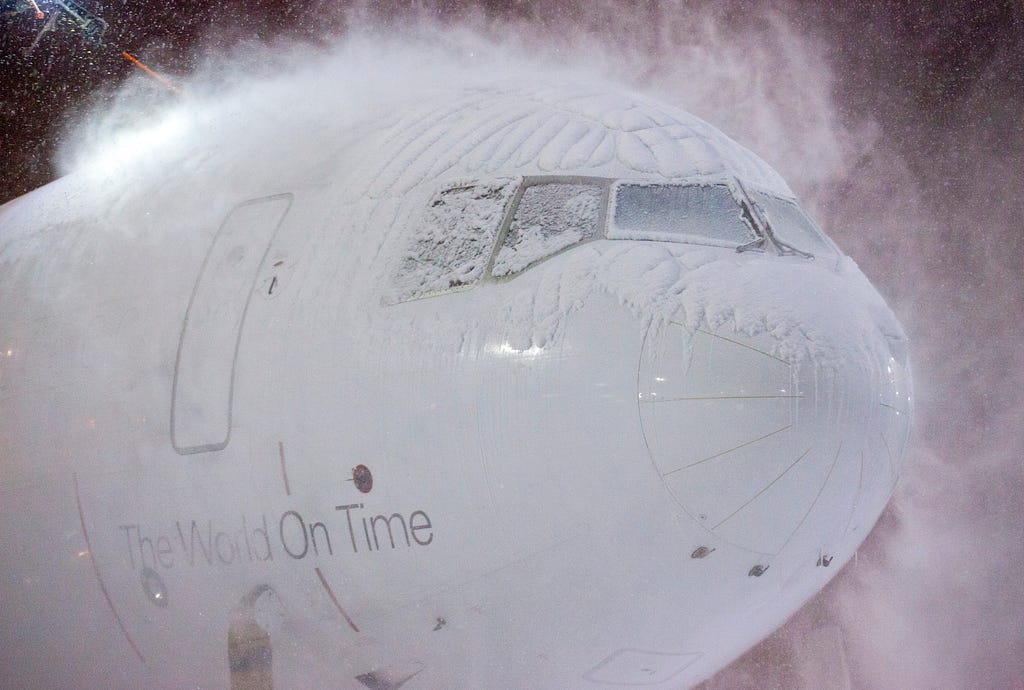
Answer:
(950, 63)
(42, 92)
(932, 213)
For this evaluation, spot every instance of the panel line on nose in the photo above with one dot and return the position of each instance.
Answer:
(736, 342)
(892, 462)
(856, 497)
(759, 493)
(725, 452)
(723, 397)
(816, 497)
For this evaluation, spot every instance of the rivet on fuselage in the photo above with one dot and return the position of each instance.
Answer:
(757, 570)
(701, 552)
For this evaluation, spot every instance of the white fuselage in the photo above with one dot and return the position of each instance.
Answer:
(221, 431)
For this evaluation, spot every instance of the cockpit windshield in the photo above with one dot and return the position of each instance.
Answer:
(473, 231)
(550, 217)
(790, 225)
(698, 213)
(453, 238)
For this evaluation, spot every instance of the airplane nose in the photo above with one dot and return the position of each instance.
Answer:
(787, 428)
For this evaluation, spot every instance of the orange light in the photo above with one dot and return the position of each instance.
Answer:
(138, 63)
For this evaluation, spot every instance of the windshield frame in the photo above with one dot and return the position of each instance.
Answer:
(782, 246)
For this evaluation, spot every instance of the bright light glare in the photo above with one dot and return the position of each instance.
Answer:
(125, 150)
(507, 350)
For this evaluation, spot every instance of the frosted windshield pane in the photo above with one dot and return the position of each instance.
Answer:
(790, 225)
(676, 212)
(549, 218)
(454, 238)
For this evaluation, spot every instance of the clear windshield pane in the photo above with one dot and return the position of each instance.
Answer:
(698, 213)
(790, 225)
(549, 218)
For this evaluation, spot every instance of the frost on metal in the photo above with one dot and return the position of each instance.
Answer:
(549, 218)
(452, 241)
(568, 129)
(694, 212)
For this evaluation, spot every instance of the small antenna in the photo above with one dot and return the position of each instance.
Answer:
(138, 63)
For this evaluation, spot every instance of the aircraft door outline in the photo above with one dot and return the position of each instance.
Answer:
(204, 368)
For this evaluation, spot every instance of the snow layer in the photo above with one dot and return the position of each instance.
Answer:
(393, 143)
(453, 238)
(814, 309)
(550, 217)
(559, 129)
(814, 312)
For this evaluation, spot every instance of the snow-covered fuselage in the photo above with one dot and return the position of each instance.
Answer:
(443, 398)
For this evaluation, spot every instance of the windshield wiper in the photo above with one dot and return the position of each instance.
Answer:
(754, 216)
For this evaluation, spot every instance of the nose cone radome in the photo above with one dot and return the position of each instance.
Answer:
(789, 427)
